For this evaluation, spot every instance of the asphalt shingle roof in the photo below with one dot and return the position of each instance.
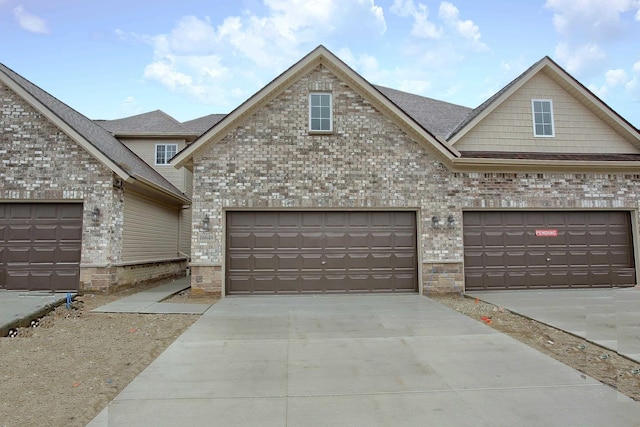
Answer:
(203, 124)
(152, 123)
(438, 117)
(97, 136)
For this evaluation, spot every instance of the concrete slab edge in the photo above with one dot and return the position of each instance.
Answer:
(26, 320)
(561, 330)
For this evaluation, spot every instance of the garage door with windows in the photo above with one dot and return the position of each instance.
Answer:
(289, 252)
(559, 249)
(40, 246)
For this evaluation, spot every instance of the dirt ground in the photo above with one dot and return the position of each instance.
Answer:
(67, 369)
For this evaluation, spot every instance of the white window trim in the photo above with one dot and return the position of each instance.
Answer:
(330, 113)
(533, 118)
(155, 154)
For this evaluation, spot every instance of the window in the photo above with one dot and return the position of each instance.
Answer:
(164, 153)
(542, 117)
(320, 119)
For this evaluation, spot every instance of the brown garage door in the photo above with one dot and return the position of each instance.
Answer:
(40, 245)
(531, 250)
(317, 252)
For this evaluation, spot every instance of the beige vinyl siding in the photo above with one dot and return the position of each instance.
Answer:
(151, 230)
(577, 130)
(146, 150)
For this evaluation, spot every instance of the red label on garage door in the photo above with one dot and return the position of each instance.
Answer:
(547, 233)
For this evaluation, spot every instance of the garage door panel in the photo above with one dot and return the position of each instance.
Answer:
(311, 261)
(493, 238)
(335, 219)
(404, 240)
(335, 251)
(383, 219)
(288, 262)
(312, 240)
(288, 241)
(515, 259)
(576, 238)
(598, 238)
(309, 220)
(67, 255)
(40, 255)
(381, 240)
(383, 261)
(16, 255)
(578, 258)
(264, 240)
(358, 261)
(239, 262)
(472, 238)
(264, 262)
(358, 220)
(358, 240)
(40, 245)
(19, 233)
(404, 261)
(240, 240)
(561, 249)
(336, 240)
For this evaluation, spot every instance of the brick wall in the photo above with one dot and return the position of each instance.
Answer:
(41, 163)
(271, 161)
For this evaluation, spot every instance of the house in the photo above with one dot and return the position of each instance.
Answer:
(323, 182)
(79, 210)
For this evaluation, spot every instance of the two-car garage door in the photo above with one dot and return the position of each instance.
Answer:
(40, 246)
(553, 249)
(273, 252)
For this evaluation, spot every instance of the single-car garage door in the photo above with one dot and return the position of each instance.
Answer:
(532, 250)
(40, 246)
(317, 252)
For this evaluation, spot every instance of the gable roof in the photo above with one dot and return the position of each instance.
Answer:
(438, 116)
(203, 124)
(152, 124)
(566, 81)
(319, 55)
(93, 138)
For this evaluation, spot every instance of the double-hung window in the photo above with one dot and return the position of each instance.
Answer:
(320, 116)
(542, 110)
(164, 153)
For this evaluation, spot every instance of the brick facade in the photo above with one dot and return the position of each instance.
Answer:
(270, 161)
(40, 163)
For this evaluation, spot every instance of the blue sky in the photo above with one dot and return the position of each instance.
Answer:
(191, 58)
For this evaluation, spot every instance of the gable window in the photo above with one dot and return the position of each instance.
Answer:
(320, 116)
(542, 117)
(164, 153)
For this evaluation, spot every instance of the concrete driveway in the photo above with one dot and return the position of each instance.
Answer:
(393, 360)
(607, 317)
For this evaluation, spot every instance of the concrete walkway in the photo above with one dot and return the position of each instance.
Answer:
(150, 301)
(607, 317)
(18, 308)
(395, 360)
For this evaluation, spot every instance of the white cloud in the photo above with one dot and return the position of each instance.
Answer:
(30, 22)
(632, 87)
(422, 28)
(453, 33)
(613, 79)
(190, 58)
(589, 29)
(467, 29)
(593, 20)
(577, 60)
